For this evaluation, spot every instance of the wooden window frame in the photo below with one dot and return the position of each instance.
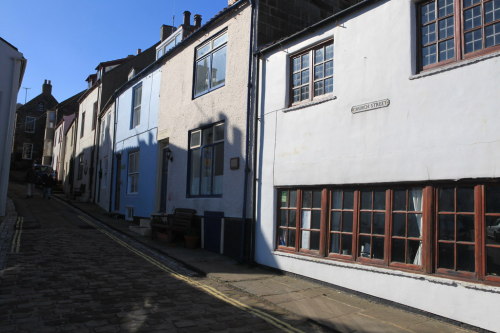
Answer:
(458, 34)
(311, 52)
(429, 233)
(29, 126)
(133, 173)
(135, 119)
(25, 156)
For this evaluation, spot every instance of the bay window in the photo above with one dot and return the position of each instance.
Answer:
(451, 230)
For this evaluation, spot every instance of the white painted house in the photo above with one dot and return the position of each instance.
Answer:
(12, 66)
(379, 140)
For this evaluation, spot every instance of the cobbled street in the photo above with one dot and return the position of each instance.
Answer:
(66, 273)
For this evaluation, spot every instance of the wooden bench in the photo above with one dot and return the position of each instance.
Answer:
(180, 221)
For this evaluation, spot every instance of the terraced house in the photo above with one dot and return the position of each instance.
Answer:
(378, 155)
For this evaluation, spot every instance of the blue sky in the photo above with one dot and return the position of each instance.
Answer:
(64, 40)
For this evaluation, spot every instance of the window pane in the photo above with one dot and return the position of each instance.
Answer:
(306, 219)
(305, 60)
(318, 72)
(473, 41)
(292, 221)
(415, 225)
(202, 75)
(365, 222)
(446, 28)
(399, 225)
(318, 88)
(346, 244)
(316, 199)
(329, 52)
(315, 240)
(305, 77)
(428, 12)
(468, 3)
(378, 248)
(291, 237)
(465, 228)
(282, 239)
(491, 11)
(219, 67)
(296, 64)
(219, 132)
(195, 139)
(399, 200)
(379, 200)
(203, 50)
(348, 199)
(337, 199)
(347, 221)
(446, 227)
(195, 172)
(220, 40)
(415, 200)
(283, 195)
(414, 252)
(293, 198)
(306, 240)
(319, 55)
(296, 80)
(335, 243)
(492, 33)
(364, 246)
(465, 200)
(206, 171)
(306, 199)
(329, 85)
(329, 68)
(446, 200)
(429, 34)
(493, 261)
(316, 219)
(446, 50)
(398, 250)
(472, 18)
(208, 137)
(366, 200)
(445, 7)
(336, 221)
(283, 216)
(379, 223)
(429, 55)
(218, 168)
(304, 93)
(493, 230)
(296, 95)
(446, 256)
(465, 258)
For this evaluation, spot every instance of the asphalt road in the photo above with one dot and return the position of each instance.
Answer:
(67, 273)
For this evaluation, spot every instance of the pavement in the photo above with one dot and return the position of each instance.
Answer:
(333, 309)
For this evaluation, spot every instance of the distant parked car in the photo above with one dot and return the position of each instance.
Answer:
(40, 170)
(493, 231)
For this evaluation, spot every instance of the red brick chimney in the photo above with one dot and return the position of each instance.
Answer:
(47, 87)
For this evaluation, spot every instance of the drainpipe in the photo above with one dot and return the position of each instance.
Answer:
(250, 119)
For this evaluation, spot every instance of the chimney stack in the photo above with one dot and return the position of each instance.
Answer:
(47, 87)
(139, 51)
(187, 18)
(165, 31)
(197, 20)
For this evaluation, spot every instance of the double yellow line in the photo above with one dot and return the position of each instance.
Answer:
(209, 290)
(16, 242)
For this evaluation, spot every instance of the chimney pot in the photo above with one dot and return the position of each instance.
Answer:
(197, 20)
(139, 51)
(187, 18)
(47, 87)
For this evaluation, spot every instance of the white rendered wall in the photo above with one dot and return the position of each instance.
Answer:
(10, 82)
(180, 113)
(439, 126)
(105, 152)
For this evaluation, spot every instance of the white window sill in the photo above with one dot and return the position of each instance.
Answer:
(315, 101)
(394, 272)
(454, 65)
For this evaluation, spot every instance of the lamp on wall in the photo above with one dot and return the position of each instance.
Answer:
(168, 153)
